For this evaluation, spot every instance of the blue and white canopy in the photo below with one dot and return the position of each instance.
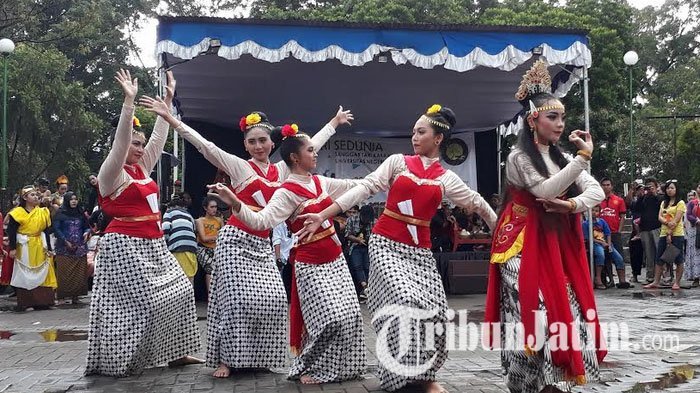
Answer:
(388, 74)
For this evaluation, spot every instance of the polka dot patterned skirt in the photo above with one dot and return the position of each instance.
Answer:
(247, 315)
(333, 346)
(405, 278)
(142, 312)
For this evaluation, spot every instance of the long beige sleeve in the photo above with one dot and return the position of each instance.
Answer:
(592, 193)
(338, 187)
(459, 193)
(318, 140)
(379, 180)
(280, 207)
(237, 168)
(111, 174)
(156, 144)
(522, 173)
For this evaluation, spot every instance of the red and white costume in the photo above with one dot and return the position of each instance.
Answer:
(142, 312)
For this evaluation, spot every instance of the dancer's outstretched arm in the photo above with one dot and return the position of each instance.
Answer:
(278, 209)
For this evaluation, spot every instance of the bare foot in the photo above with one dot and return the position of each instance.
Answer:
(222, 371)
(184, 361)
(434, 387)
(651, 286)
(307, 380)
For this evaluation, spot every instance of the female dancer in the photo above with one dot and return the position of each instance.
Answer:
(326, 324)
(71, 229)
(538, 260)
(403, 277)
(28, 230)
(142, 312)
(247, 313)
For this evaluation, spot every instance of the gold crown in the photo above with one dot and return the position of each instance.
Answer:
(536, 80)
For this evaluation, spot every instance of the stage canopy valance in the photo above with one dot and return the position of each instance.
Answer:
(387, 74)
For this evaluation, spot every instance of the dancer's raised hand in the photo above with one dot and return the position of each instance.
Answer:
(342, 117)
(170, 88)
(582, 140)
(129, 86)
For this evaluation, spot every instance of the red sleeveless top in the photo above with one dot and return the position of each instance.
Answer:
(323, 247)
(411, 204)
(134, 206)
(255, 192)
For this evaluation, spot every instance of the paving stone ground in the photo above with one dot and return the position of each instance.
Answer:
(31, 362)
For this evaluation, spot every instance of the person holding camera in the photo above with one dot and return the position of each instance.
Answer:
(647, 207)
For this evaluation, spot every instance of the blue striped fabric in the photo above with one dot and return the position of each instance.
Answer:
(178, 227)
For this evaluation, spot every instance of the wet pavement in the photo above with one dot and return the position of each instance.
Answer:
(44, 351)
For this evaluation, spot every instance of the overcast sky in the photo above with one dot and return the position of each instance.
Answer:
(146, 37)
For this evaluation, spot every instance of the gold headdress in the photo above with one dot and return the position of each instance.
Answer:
(536, 80)
(434, 109)
(26, 190)
(63, 179)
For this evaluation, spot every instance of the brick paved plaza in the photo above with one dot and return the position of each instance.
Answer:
(31, 362)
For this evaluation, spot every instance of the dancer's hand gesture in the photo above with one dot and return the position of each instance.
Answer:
(555, 205)
(312, 221)
(156, 105)
(225, 195)
(582, 140)
(170, 88)
(342, 117)
(129, 86)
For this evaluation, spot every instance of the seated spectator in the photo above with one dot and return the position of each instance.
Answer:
(602, 243)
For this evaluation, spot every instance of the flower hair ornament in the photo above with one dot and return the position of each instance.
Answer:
(289, 130)
(136, 123)
(433, 110)
(252, 120)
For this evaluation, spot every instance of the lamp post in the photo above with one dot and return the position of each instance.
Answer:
(631, 58)
(6, 47)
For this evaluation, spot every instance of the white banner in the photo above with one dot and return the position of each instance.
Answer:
(350, 157)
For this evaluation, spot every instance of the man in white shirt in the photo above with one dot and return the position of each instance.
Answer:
(282, 243)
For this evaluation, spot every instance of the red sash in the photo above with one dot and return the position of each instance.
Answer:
(553, 255)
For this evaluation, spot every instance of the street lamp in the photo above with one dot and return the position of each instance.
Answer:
(6, 47)
(631, 58)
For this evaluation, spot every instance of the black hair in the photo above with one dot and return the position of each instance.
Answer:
(366, 214)
(651, 180)
(667, 199)
(207, 199)
(444, 116)
(605, 179)
(42, 181)
(178, 200)
(526, 143)
(292, 145)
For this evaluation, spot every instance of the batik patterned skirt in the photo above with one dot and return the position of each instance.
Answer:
(247, 314)
(333, 345)
(205, 258)
(142, 312)
(71, 274)
(404, 282)
(530, 374)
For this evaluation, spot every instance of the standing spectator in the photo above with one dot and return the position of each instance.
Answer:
(61, 190)
(635, 242)
(357, 232)
(602, 244)
(208, 227)
(647, 207)
(692, 252)
(92, 194)
(612, 210)
(71, 230)
(670, 216)
(282, 243)
(441, 227)
(178, 228)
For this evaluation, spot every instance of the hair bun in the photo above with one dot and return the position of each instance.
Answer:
(449, 115)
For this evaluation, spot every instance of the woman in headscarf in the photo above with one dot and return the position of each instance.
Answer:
(71, 229)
